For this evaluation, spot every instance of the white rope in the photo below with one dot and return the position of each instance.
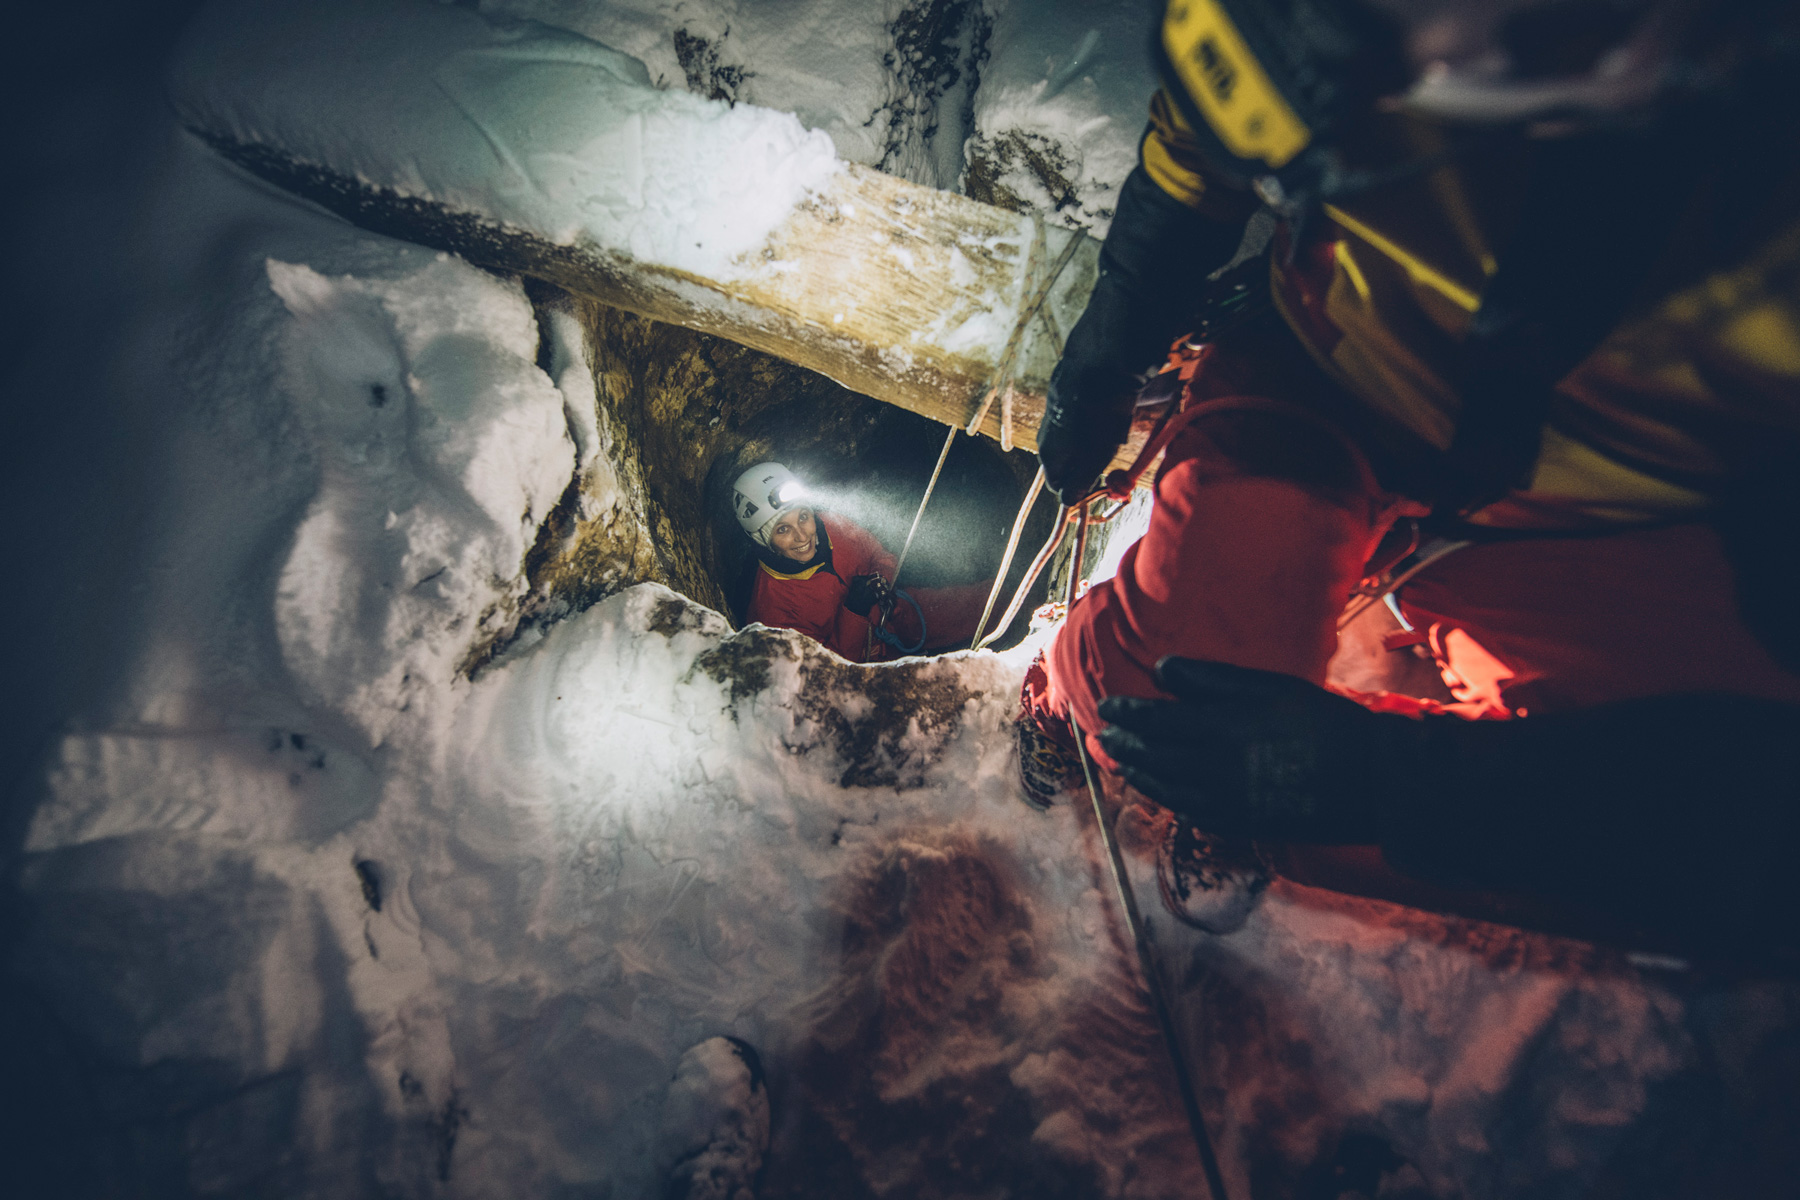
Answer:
(1012, 547)
(1031, 576)
(1003, 377)
(930, 487)
(1134, 921)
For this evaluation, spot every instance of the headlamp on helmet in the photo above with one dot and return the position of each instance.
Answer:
(1268, 86)
(762, 494)
(1272, 86)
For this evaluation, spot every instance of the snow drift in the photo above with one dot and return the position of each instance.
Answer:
(534, 127)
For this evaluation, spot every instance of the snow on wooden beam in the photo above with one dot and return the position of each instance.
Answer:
(903, 293)
(531, 149)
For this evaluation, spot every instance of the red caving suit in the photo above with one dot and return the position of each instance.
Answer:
(812, 600)
(1604, 579)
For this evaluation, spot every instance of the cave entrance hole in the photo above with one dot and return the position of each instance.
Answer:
(876, 478)
(685, 413)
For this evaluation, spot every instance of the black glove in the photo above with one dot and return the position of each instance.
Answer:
(1153, 267)
(867, 591)
(1254, 753)
(1672, 814)
(1087, 415)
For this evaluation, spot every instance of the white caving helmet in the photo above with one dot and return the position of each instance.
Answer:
(763, 493)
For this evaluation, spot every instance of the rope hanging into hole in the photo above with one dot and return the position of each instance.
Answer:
(1118, 485)
(1005, 370)
(1003, 377)
(1012, 547)
(930, 487)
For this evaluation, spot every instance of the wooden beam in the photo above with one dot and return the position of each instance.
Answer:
(904, 293)
(529, 149)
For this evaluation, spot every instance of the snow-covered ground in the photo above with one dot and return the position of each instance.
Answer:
(318, 910)
(1032, 104)
(1062, 104)
(529, 125)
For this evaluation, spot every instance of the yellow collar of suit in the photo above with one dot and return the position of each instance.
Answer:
(806, 574)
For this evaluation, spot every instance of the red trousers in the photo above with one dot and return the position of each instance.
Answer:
(1265, 517)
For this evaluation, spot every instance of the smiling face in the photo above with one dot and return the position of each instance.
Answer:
(796, 535)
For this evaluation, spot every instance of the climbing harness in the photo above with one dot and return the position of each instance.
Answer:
(888, 636)
(1383, 587)
(1118, 485)
(1003, 375)
(1140, 936)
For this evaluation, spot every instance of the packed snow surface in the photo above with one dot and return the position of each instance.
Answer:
(532, 126)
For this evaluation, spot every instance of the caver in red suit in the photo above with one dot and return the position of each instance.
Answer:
(809, 597)
(1576, 340)
(1266, 514)
(1264, 520)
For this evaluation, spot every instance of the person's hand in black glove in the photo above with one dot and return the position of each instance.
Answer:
(1153, 268)
(1633, 810)
(1254, 753)
(866, 592)
(1087, 415)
